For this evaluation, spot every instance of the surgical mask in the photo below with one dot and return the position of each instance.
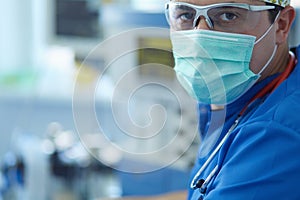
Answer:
(213, 67)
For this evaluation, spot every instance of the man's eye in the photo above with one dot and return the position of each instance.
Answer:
(228, 16)
(187, 16)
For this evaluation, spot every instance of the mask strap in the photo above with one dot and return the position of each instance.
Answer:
(275, 48)
(270, 59)
(269, 29)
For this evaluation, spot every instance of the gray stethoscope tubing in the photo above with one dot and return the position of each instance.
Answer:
(213, 154)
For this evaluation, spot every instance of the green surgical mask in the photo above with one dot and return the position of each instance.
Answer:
(213, 67)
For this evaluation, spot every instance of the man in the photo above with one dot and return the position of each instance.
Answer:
(234, 55)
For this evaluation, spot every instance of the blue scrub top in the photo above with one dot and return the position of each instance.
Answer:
(261, 157)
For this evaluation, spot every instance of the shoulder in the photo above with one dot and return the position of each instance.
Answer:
(287, 113)
(283, 105)
(260, 161)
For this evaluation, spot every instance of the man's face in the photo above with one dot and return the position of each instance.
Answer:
(262, 50)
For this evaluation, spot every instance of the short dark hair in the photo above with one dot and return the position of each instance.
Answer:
(273, 13)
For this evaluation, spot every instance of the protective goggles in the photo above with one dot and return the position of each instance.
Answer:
(225, 17)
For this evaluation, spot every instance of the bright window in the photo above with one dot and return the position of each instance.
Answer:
(295, 3)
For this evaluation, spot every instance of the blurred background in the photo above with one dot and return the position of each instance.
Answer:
(81, 77)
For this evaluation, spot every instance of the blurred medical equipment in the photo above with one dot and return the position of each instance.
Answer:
(54, 167)
(294, 37)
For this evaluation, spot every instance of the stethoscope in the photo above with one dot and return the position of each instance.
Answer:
(203, 183)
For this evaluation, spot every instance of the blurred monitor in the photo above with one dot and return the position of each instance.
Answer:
(74, 23)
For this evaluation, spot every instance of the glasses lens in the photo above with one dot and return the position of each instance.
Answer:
(181, 17)
(233, 19)
(223, 18)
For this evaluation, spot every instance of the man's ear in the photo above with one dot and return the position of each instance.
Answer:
(284, 23)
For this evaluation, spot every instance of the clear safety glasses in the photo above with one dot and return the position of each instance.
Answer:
(225, 17)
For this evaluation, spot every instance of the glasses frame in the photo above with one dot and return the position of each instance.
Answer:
(202, 10)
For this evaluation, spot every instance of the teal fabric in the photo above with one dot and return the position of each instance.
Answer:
(213, 67)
